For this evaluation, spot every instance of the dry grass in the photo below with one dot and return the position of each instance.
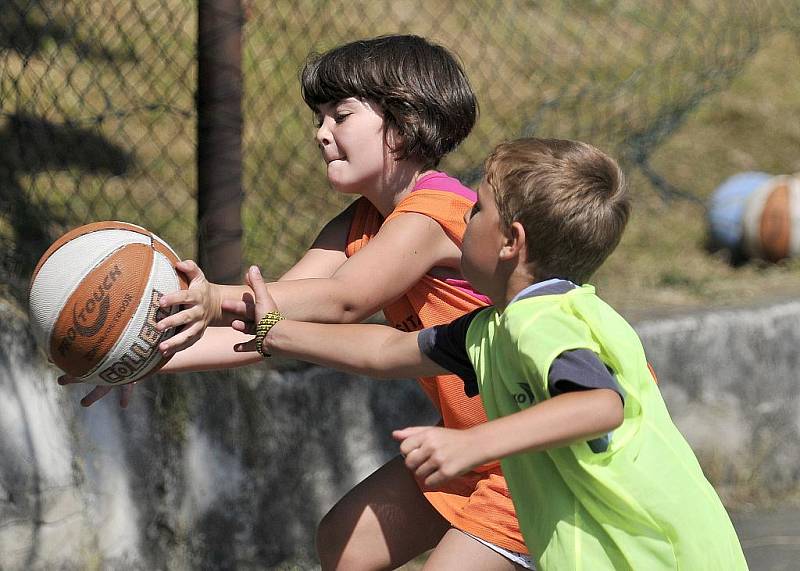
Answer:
(662, 263)
(601, 71)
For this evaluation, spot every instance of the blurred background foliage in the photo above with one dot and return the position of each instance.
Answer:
(98, 119)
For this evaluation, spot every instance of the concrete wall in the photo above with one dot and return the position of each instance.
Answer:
(235, 469)
(730, 380)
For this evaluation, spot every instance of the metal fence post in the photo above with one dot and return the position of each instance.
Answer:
(219, 139)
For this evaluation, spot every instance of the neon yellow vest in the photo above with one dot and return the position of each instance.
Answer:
(642, 504)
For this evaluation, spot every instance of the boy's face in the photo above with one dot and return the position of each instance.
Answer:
(350, 136)
(483, 240)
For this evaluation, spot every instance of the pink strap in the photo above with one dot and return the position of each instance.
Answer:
(441, 181)
(466, 287)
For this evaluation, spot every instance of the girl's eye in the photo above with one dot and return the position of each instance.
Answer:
(340, 117)
(475, 209)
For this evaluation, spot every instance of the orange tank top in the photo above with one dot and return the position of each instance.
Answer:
(478, 502)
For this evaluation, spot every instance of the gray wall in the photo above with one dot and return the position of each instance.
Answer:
(235, 469)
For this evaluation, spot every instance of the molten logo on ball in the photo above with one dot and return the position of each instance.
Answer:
(99, 301)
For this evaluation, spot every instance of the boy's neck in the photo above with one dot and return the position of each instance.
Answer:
(516, 282)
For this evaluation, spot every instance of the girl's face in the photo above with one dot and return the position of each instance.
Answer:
(350, 136)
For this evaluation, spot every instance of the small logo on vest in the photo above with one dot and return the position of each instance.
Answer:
(524, 398)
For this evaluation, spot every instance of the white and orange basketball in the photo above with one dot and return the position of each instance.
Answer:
(94, 301)
(771, 219)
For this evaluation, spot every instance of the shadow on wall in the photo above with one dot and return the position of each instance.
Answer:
(221, 470)
(28, 26)
(30, 145)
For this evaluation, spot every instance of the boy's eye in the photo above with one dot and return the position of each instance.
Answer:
(340, 117)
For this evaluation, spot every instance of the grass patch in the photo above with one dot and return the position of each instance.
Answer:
(699, 89)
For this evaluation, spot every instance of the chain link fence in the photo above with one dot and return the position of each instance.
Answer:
(98, 117)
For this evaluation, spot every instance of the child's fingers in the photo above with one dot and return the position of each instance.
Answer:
(239, 308)
(258, 285)
(410, 438)
(404, 433)
(247, 327)
(426, 469)
(176, 320)
(67, 380)
(186, 338)
(125, 394)
(245, 347)
(180, 297)
(435, 480)
(408, 445)
(182, 318)
(190, 269)
(263, 300)
(416, 458)
(95, 395)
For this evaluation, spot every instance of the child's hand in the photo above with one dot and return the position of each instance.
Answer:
(436, 454)
(201, 306)
(261, 305)
(99, 392)
(245, 312)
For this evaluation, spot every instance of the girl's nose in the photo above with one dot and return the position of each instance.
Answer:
(323, 135)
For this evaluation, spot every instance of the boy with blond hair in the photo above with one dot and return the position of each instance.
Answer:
(600, 476)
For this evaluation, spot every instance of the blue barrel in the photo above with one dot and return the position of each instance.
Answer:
(726, 208)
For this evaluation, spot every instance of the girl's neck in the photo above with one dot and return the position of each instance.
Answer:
(395, 186)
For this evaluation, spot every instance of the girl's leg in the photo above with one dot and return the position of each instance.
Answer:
(458, 551)
(382, 523)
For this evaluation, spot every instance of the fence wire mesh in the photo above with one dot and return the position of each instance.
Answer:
(98, 119)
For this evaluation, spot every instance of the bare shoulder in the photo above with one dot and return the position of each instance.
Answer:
(333, 235)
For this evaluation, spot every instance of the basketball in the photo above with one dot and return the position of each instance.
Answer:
(771, 221)
(93, 301)
(726, 208)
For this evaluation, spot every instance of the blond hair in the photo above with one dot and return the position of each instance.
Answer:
(570, 198)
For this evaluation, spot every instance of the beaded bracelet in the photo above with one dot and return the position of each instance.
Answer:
(267, 322)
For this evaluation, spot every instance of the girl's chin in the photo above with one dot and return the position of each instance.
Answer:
(344, 188)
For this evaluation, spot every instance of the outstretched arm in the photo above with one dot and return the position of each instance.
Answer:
(367, 349)
(204, 303)
(437, 454)
(395, 259)
(214, 348)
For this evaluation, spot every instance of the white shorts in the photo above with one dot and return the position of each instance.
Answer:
(521, 559)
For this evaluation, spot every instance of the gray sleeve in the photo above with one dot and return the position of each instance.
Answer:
(579, 370)
(446, 345)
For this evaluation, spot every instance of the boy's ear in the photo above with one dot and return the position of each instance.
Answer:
(514, 243)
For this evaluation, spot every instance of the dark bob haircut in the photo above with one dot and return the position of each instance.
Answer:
(420, 86)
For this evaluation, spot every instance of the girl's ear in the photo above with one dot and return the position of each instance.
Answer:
(514, 244)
